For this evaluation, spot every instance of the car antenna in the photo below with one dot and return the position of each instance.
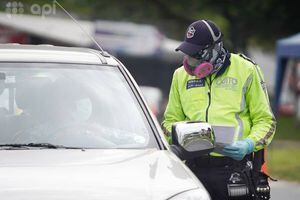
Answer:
(76, 22)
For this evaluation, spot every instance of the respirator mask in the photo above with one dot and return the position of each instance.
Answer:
(208, 61)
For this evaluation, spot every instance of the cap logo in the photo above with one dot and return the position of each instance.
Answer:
(191, 31)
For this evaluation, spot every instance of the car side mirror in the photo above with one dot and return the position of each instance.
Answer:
(192, 139)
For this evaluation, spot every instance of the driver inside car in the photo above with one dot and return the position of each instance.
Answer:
(51, 109)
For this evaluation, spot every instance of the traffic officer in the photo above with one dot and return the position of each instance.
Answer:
(220, 88)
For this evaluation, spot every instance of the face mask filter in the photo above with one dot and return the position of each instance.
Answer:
(206, 62)
(197, 68)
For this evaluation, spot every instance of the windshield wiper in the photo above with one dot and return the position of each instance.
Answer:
(38, 145)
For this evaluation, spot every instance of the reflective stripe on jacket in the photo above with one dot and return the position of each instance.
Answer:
(237, 97)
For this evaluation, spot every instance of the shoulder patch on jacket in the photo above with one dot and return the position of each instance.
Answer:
(247, 58)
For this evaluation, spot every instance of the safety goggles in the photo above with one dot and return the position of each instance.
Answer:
(200, 57)
(207, 54)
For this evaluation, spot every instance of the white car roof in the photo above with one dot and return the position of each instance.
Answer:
(55, 54)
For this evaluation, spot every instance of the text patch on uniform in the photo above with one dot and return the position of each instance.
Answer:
(195, 83)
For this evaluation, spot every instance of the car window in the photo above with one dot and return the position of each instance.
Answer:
(4, 100)
(72, 105)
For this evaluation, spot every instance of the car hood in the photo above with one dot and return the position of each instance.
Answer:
(92, 174)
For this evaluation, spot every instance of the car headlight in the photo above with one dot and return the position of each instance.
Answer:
(196, 194)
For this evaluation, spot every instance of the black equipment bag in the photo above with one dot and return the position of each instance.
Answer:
(261, 188)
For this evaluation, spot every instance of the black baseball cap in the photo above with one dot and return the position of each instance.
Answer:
(200, 35)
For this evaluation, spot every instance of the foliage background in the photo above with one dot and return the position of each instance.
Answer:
(243, 22)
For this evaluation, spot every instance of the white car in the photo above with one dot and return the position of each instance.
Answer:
(74, 126)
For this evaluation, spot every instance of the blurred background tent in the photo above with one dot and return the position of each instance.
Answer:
(36, 30)
(288, 54)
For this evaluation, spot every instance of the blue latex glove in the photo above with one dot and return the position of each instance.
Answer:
(239, 149)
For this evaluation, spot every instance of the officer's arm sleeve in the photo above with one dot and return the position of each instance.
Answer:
(263, 121)
(173, 112)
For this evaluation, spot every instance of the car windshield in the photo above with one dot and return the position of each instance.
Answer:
(85, 106)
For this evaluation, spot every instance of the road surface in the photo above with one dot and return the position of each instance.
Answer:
(282, 190)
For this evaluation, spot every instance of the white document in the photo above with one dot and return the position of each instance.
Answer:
(224, 136)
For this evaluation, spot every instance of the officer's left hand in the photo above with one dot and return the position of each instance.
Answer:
(239, 149)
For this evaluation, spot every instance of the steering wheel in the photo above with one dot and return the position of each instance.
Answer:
(81, 134)
(74, 135)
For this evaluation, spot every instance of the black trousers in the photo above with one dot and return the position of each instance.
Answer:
(214, 173)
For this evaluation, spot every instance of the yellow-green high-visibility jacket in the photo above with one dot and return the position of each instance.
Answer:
(237, 97)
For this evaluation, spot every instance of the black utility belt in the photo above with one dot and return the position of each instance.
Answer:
(218, 161)
(246, 181)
